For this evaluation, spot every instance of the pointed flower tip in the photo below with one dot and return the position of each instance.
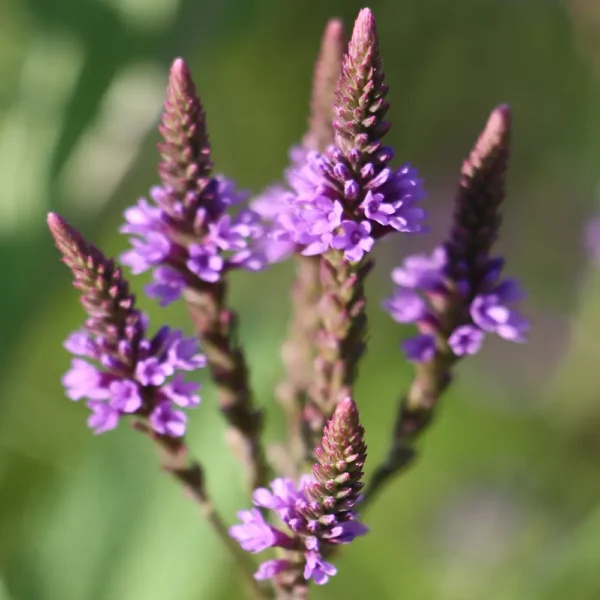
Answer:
(499, 121)
(493, 141)
(364, 27)
(334, 30)
(179, 68)
(346, 406)
(54, 221)
(61, 231)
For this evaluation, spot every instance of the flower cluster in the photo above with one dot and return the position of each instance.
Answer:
(348, 196)
(133, 374)
(340, 196)
(331, 207)
(194, 229)
(318, 512)
(140, 376)
(423, 281)
(455, 296)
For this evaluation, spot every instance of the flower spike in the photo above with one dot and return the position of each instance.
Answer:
(118, 369)
(455, 295)
(318, 513)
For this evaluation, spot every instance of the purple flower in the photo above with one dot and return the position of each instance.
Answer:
(491, 313)
(181, 392)
(255, 534)
(191, 227)
(205, 262)
(318, 569)
(281, 497)
(125, 396)
(142, 218)
(84, 381)
(376, 209)
(421, 271)
(317, 511)
(273, 202)
(151, 371)
(271, 568)
(103, 418)
(166, 421)
(227, 237)
(132, 371)
(120, 383)
(405, 306)
(80, 343)
(183, 354)
(355, 240)
(420, 348)
(466, 339)
(425, 283)
(168, 285)
(324, 191)
(146, 252)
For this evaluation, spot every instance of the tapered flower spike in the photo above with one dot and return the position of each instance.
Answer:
(327, 71)
(481, 191)
(299, 349)
(119, 370)
(134, 371)
(319, 513)
(454, 296)
(186, 161)
(360, 105)
(105, 293)
(191, 238)
(341, 202)
(340, 460)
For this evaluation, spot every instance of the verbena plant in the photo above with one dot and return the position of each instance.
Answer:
(340, 197)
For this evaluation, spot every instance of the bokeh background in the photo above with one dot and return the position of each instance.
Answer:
(504, 502)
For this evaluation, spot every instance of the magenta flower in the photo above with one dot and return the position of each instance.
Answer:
(189, 229)
(123, 371)
(316, 512)
(354, 239)
(420, 348)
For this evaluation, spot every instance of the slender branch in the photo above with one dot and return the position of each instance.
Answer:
(298, 351)
(216, 326)
(299, 348)
(467, 281)
(415, 414)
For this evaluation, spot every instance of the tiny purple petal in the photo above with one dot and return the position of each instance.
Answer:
(168, 285)
(142, 218)
(271, 568)
(466, 339)
(420, 348)
(125, 396)
(345, 532)
(317, 568)
(205, 262)
(103, 418)
(181, 392)
(81, 344)
(183, 354)
(166, 421)
(354, 239)
(147, 252)
(84, 381)
(405, 306)
(421, 271)
(152, 371)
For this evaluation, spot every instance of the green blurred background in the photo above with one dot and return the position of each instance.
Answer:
(504, 501)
